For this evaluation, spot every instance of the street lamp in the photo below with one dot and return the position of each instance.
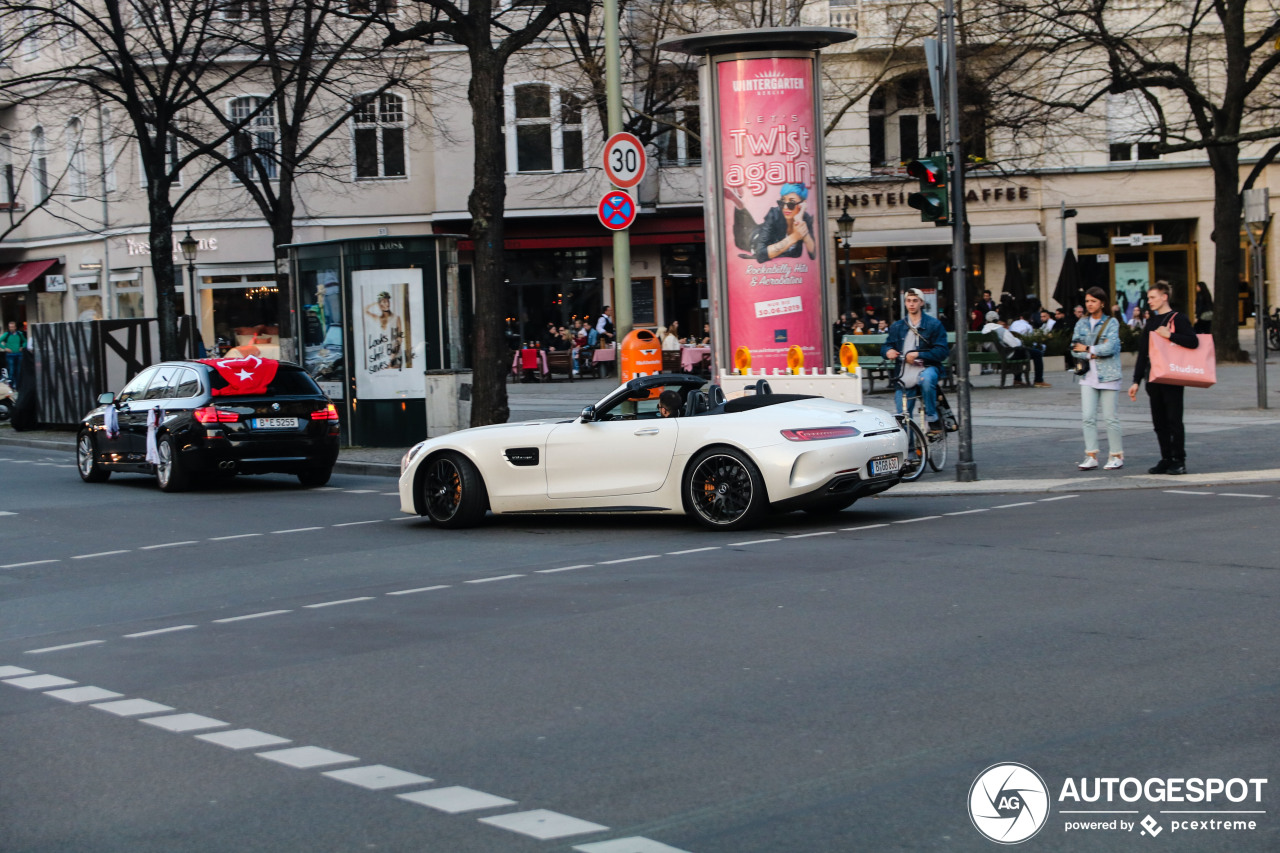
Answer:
(190, 246)
(844, 230)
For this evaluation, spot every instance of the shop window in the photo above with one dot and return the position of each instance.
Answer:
(254, 145)
(39, 166)
(378, 129)
(77, 168)
(126, 296)
(543, 129)
(1131, 128)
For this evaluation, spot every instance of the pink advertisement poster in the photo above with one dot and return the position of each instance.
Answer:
(769, 146)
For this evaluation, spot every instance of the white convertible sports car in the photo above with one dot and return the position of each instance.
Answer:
(725, 463)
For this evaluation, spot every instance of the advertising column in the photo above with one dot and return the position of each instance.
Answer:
(764, 183)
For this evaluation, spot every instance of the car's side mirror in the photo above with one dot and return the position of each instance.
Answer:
(588, 414)
(106, 398)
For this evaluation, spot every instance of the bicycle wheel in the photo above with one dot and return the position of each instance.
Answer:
(917, 453)
(938, 450)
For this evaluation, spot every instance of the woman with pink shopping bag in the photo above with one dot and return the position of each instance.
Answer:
(1170, 327)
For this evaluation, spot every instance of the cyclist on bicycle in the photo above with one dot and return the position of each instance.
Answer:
(924, 341)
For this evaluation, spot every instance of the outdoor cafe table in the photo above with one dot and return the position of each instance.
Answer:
(525, 359)
(691, 357)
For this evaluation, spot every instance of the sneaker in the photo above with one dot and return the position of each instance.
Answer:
(1161, 467)
(1089, 463)
(935, 426)
(1043, 385)
(1113, 463)
(1176, 468)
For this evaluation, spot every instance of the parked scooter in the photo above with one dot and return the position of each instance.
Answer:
(8, 400)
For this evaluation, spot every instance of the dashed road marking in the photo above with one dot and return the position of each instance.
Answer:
(11, 671)
(1011, 506)
(1059, 498)
(495, 578)
(131, 707)
(340, 601)
(304, 757)
(456, 799)
(635, 844)
(298, 530)
(29, 563)
(563, 569)
(863, 527)
(100, 554)
(751, 542)
(168, 545)
(360, 491)
(160, 631)
(1240, 495)
(914, 520)
(1186, 492)
(807, 535)
(236, 536)
(64, 646)
(39, 682)
(6, 512)
(354, 523)
(419, 589)
(376, 777)
(543, 824)
(693, 550)
(242, 739)
(967, 512)
(630, 559)
(88, 693)
(251, 616)
(184, 722)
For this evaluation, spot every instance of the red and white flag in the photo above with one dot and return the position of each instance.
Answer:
(244, 375)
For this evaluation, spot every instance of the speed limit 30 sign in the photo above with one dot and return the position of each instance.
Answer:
(624, 160)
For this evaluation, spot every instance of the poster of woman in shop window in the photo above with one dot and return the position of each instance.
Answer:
(384, 331)
(387, 312)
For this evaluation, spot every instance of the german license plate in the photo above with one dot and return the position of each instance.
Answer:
(887, 465)
(275, 423)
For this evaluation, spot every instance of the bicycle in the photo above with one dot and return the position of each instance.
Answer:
(1272, 322)
(924, 446)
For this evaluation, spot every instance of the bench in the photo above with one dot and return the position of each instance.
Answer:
(874, 366)
(987, 350)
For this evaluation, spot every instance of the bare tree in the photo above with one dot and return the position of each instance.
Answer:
(491, 33)
(1197, 76)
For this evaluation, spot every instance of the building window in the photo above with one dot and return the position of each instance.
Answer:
(378, 128)
(677, 124)
(68, 30)
(241, 10)
(1131, 128)
(254, 145)
(6, 169)
(171, 165)
(39, 165)
(77, 165)
(109, 153)
(126, 294)
(544, 129)
(376, 7)
(30, 34)
(903, 127)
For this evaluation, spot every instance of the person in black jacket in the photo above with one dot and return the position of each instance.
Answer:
(1166, 400)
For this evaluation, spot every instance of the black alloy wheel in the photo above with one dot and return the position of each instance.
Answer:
(87, 460)
(453, 492)
(723, 490)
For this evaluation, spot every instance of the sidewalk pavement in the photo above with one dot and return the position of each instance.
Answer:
(1024, 439)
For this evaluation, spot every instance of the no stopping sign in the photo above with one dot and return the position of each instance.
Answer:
(617, 210)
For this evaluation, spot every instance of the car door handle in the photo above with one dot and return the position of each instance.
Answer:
(649, 431)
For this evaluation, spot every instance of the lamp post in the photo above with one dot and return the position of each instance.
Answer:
(844, 230)
(190, 246)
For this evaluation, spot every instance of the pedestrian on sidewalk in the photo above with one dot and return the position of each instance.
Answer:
(1165, 400)
(12, 343)
(1000, 326)
(1096, 340)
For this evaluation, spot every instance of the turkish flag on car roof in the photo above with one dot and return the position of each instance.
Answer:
(245, 375)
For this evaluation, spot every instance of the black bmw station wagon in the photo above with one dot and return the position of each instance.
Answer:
(213, 418)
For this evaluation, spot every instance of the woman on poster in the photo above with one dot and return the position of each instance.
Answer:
(384, 339)
(786, 227)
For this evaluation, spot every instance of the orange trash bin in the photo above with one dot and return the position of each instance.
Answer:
(640, 354)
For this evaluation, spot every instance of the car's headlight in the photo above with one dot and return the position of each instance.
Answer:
(410, 455)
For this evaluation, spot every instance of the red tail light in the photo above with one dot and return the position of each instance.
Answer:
(819, 433)
(214, 415)
(329, 413)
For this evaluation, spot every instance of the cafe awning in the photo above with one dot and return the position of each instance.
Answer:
(1023, 232)
(18, 277)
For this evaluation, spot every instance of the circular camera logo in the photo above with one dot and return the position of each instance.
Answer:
(1008, 803)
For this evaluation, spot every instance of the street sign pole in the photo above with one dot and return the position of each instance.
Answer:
(1257, 215)
(613, 104)
(966, 468)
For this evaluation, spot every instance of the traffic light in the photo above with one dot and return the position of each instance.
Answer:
(931, 201)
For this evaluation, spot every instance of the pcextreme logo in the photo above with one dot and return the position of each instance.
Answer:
(1009, 803)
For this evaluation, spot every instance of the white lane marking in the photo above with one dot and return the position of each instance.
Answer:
(496, 578)
(360, 491)
(242, 739)
(455, 799)
(967, 511)
(64, 466)
(39, 682)
(863, 527)
(1011, 506)
(184, 722)
(99, 554)
(303, 757)
(630, 559)
(11, 671)
(29, 563)
(543, 824)
(65, 646)
(340, 601)
(168, 545)
(564, 569)
(237, 536)
(914, 520)
(83, 694)
(354, 523)
(635, 844)
(131, 707)
(5, 512)
(693, 550)
(252, 616)
(390, 493)
(375, 777)
(1185, 492)
(419, 589)
(1059, 498)
(298, 530)
(160, 631)
(807, 535)
(405, 518)
(1240, 495)
(327, 489)
(752, 542)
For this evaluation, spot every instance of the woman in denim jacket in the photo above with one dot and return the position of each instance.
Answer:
(1096, 338)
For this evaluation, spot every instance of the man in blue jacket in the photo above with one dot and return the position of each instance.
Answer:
(924, 342)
